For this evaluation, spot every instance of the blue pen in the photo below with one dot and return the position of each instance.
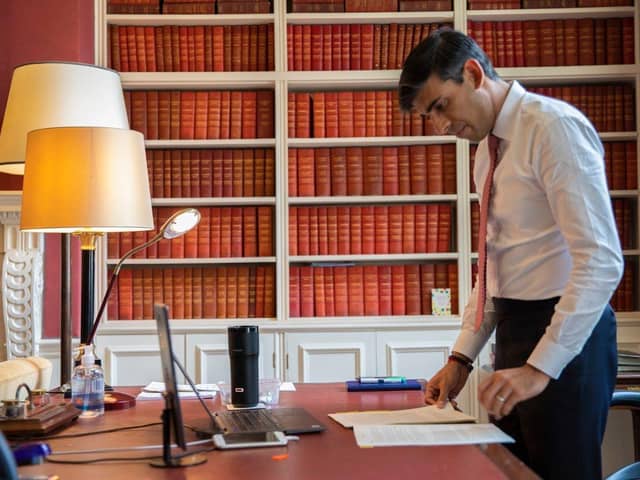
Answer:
(395, 379)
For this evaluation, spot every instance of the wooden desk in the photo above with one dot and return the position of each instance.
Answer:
(330, 455)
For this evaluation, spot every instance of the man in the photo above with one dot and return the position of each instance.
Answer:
(553, 257)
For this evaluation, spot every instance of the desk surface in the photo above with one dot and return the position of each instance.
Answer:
(332, 454)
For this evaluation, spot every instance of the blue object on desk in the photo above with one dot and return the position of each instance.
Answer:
(409, 384)
(31, 453)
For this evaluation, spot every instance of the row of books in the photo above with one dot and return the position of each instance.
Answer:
(621, 165)
(610, 107)
(625, 212)
(367, 290)
(202, 114)
(369, 229)
(511, 4)
(183, 7)
(353, 46)
(351, 113)
(191, 48)
(209, 173)
(582, 41)
(401, 170)
(223, 232)
(208, 292)
(322, 6)
(628, 361)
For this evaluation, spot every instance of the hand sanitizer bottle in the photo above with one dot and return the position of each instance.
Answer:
(87, 386)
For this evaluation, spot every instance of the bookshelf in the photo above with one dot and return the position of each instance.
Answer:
(318, 346)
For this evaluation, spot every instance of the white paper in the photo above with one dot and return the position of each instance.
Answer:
(428, 435)
(158, 387)
(287, 387)
(427, 414)
(144, 395)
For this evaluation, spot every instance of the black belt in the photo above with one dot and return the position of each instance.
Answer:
(513, 305)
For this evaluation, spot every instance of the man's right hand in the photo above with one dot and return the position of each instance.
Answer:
(446, 384)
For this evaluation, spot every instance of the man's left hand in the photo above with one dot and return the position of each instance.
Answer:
(504, 389)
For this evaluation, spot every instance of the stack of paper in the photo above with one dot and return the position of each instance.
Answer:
(628, 361)
(153, 391)
(427, 414)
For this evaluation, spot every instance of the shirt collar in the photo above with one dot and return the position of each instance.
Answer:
(506, 118)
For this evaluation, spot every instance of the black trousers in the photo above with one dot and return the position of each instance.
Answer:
(559, 432)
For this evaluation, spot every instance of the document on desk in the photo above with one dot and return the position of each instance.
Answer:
(428, 435)
(426, 414)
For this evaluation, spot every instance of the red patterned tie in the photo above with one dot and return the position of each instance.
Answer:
(482, 232)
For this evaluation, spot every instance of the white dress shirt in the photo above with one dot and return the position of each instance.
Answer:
(551, 230)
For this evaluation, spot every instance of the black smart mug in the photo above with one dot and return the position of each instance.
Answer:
(244, 347)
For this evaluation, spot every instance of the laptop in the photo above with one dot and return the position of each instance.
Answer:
(290, 420)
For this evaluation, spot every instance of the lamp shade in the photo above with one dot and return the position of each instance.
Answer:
(57, 94)
(85, 179)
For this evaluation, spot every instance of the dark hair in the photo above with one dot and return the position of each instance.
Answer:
(443, 53)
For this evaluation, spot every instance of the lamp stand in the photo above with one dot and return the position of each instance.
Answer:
(65, 310)
(87, 312)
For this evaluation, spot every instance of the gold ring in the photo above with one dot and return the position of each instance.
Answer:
(501, 399)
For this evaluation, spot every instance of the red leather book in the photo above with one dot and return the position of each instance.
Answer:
(395, 228)
(398, 290)
(326, 48)
(586, 50)
(232, 291)
(188, 293)
(242, 296)
(302, 216)
(329, 292)
(631, 166)
(319, 299)
(571, 41)
(196, 294)
(336, 47)
(345, 49)
(382, 229)
(249, 231)
(453, 284)
(449, 168)
(332, 230)
(125, 295)
(355, 281)
(444, 227)
(345, 114)
(330, 115)
(618, 159)
(205, 164)
(400, 53)
(293, 231)
(236, 172)
(259, 172)
(306, 47)
(221, 292)
(139, 111)
(201, 107)
(359, 114)
(412, 289)
(236, 231)
(225, 231)
(217, 173)
(203, 233)
(368, 229)
(178, 304)
(253, 54)
(209, 293)
(341, 295)
(420, 230)
(418, 169)
(382, 101)
(265, 231)
(265, 114)
(435, 169)
(627, 40)
(114, 48)
(302, 115)
(355, 226)
(338, 171)
(294, 291)
(316, 53)
(236, 114)
(355, 171)
(249, 114)
(321, 231)
(190, 244)
(344, 237)
(248, 173)
(408, 229)
(306, 172)
(322, 172)
(390, 183)
(140, 52)
(384, 290)
(372, 171)
(371, 296)
(175, 164)
(225, 114)
(306, 292)
(377, 46)
(362, 49)
(432, 228)
(369, 114)
(187, 114)
(292, 172)
(318, 114)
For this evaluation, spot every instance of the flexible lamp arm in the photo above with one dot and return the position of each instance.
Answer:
(164, 232)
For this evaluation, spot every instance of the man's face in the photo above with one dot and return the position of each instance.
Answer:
(460, 109)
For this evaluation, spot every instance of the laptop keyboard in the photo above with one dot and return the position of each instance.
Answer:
(259, 420)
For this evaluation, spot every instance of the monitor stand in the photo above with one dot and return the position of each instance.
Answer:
(167, 460)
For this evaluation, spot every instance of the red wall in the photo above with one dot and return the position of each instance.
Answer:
(45, 30)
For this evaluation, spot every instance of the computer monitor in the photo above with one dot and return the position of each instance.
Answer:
(172, 413)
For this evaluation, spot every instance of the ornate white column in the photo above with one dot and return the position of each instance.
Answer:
(22, 282)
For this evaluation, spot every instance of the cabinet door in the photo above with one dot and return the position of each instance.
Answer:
(329, 356)
(208, 357)
(135, 359)
(419, 354)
